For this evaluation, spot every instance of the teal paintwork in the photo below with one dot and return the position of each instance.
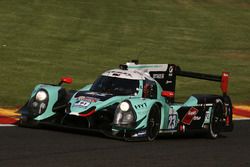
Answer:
(53, 96)
(98, 104)
(86, 105)
(140, 105)
(192, 101)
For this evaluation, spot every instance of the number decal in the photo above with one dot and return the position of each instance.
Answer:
(172, 121)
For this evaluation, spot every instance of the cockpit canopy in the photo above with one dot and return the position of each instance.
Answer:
(115, 86)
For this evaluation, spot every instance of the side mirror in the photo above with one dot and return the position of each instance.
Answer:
(66, 80)
(167, 94)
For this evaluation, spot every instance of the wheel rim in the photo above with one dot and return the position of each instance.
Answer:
(214, 128)
(216, 121)
(153, 124)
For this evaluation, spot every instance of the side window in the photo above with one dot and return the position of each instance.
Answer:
(149, 89)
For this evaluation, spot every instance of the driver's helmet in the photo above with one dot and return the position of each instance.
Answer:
(146, 90)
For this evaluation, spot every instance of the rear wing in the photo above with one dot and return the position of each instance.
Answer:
(165, 75)
(223, 78)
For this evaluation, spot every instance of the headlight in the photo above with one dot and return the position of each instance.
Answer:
(124, 115)
(128, 117)
(38, 103)
(124, 106)
(41, 95)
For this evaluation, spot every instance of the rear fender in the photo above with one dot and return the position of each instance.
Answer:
(209, 101)
(196, 111)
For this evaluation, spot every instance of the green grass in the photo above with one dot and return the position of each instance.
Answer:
(42, 40)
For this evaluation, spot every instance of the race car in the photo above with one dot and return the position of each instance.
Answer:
(134, 102)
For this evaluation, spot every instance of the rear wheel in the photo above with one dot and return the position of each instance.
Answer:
(216, 120)
(229, 114)
(153, 125)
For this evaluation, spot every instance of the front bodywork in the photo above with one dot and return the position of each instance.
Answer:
(87, 109)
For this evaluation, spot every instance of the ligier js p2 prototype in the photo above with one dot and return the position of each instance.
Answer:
(134, 102)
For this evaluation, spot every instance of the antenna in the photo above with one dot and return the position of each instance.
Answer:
(135, 61)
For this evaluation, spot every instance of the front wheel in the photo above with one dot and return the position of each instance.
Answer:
(153, 125)
(27, 122)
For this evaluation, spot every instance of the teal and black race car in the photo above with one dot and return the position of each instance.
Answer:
(134, 102)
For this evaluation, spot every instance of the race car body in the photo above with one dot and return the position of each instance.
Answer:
(136, 101)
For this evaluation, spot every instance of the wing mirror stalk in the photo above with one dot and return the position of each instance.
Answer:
(67, 80)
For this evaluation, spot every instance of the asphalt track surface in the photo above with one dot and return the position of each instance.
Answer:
(41, 147)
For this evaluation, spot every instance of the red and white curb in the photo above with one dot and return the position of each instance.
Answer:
(10, 116)
(241, 112)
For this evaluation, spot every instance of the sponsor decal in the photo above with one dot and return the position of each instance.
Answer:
(171, 69)
(197, 118)
(140, 134)
(190, 115)
(88, 99)
(207, 115)
(118, 73)
(140, 106)
(97, 94)
(84, 101)
(169, 82)
(158, 76)
(80, 103)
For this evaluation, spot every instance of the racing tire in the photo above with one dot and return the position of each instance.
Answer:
(28, 123)
(229, 109)
(216, 120)
(153, 124)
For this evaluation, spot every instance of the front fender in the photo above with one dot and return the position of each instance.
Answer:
(52, 92)
(142, 108)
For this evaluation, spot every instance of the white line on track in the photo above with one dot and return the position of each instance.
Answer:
(6, 125)
(239, 119)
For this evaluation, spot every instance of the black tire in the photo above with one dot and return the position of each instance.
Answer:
(28, 123)
(216, 120)
(153, 125)
(229, 109)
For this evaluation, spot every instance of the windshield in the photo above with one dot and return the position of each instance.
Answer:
(116, 86)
